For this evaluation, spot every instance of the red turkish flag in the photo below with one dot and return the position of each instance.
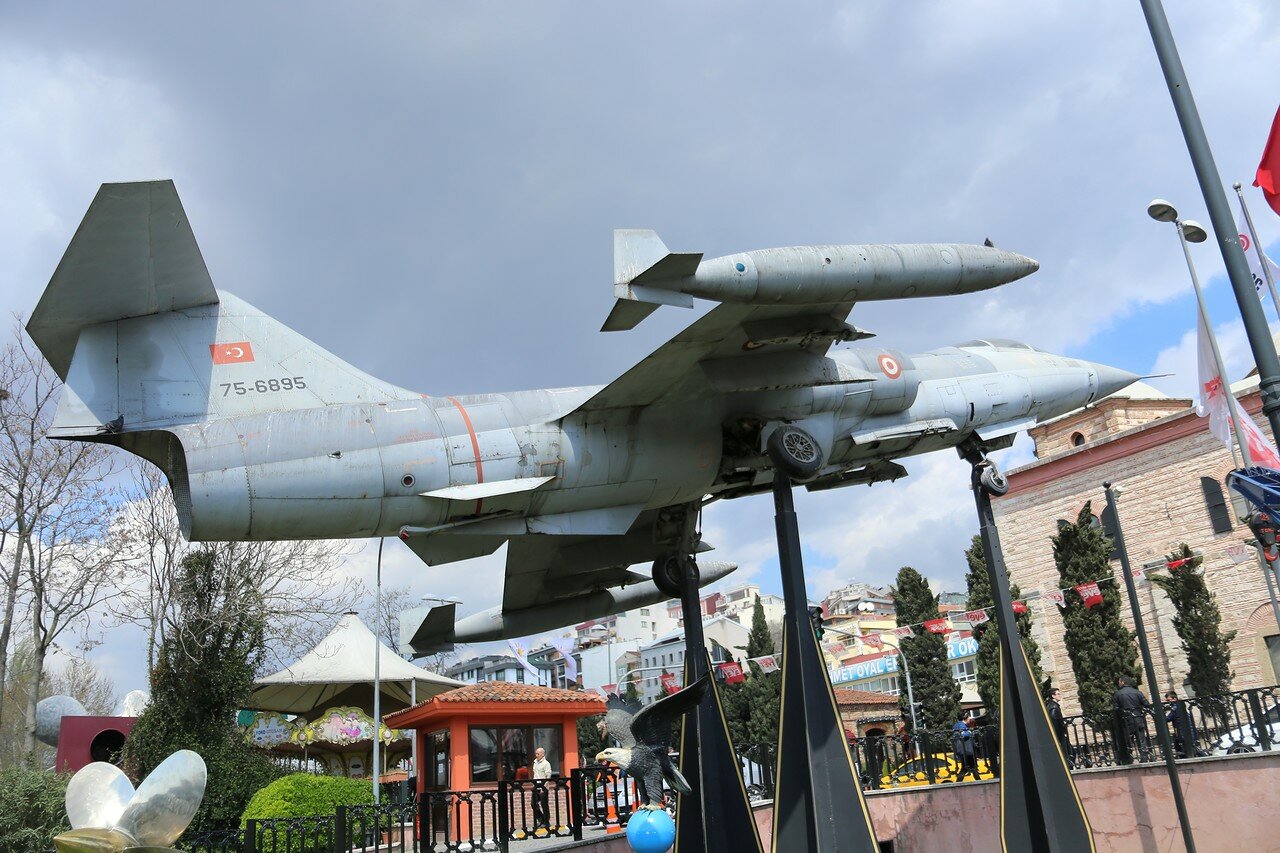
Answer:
(1019, 607)
(232, 353)
(732, 673)
(937, 626)
(1089, 594)
(1269, 168)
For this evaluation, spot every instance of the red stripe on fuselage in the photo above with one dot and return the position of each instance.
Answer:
(475, 446)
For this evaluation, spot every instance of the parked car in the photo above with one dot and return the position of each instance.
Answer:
(1245, 738)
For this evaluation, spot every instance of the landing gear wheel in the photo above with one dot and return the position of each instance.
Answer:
(668, 574)
(795, 452)
(993, 481)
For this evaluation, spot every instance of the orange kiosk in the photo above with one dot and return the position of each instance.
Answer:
(471, 738)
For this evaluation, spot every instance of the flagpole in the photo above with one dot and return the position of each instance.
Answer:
(1257, 247)
(1217, 354)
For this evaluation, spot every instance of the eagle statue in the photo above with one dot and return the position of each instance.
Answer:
(644, 737)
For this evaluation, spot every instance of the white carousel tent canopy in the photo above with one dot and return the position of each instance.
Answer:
(339, 671)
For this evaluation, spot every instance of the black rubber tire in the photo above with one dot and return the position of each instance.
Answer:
(795, 452)
(668, 574)
(993, 481)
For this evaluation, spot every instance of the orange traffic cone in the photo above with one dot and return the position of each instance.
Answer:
(611, 815)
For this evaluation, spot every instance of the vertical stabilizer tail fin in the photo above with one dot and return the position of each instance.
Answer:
(132, 323)
(134, 254)
(646, 274)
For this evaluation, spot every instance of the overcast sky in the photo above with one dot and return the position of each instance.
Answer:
(428, 189)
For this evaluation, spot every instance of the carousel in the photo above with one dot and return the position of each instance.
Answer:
(317, 713)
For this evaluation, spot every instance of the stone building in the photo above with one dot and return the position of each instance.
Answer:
(1173, 477)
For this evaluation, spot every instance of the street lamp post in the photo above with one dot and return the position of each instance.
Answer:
(1215, 199)
(1162, 731)
(1191, 232)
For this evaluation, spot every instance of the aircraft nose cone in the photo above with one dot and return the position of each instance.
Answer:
(1112, 379)
(1022, 265)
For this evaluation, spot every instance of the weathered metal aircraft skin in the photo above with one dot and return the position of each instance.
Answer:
(264, 435)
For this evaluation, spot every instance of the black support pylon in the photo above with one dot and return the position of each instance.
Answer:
(818, 803)
(717, 816)
(1040, 810)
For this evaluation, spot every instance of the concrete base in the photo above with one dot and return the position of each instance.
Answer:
(1130, 809)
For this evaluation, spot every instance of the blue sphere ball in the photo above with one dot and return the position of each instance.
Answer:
(651, 831)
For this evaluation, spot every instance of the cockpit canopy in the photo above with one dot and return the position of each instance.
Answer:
(996, 344)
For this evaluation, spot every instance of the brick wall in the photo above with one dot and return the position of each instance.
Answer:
(1162, 505)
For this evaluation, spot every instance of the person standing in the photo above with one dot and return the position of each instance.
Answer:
(1184, 735)
(1059, 723)
(1131, 707)
(541, 800)
(962, 743)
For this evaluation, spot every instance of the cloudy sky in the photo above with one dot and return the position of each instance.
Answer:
(428, 189)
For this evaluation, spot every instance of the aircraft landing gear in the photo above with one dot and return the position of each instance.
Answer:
(993, 482)
(795, 452)
(669, 573)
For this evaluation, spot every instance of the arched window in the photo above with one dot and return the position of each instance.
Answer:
(1216, 502)
(1077, 439)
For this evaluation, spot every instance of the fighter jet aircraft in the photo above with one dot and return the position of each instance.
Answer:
(264, 435)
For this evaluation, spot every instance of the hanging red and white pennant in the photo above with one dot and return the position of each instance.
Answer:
(937, 626)
(873, 640)
(1056, 596)
(977, 617)
(905, 632)
(1089, 594)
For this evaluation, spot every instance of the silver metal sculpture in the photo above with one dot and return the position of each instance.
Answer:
(49, 714)
(108, 816)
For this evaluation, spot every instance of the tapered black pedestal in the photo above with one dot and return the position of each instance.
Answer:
(818, 803)
(1039, 807)
(716, 817)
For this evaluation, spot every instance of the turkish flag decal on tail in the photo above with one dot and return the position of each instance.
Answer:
(1269, 168)
(232, 353)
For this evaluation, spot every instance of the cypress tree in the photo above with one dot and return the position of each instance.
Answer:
(760, 642)
(931, 680)
(1101, 648)
(1198, 623)
(752, 707)
(988, 636)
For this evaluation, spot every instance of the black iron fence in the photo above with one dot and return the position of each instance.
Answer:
(600, 799)
(1224, 724)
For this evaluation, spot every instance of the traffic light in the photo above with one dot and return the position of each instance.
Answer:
(1264, 528)
(815, 616)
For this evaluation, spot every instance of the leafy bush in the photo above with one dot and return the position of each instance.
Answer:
(32, 809)
(305, 795)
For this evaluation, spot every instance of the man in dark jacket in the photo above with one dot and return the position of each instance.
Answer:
(1184, 733)
(962, 744)
(1053, 704)
(1131, 708)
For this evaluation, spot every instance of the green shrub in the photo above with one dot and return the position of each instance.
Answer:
(305, 795)
(32, 809)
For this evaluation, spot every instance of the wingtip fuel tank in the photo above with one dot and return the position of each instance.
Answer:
(439, 630)
(647, 274)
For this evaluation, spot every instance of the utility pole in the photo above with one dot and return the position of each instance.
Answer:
(1162, 731)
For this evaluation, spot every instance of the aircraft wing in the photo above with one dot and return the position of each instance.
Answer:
(737, 347)
(542, 568)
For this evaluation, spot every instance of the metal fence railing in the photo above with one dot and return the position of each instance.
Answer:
(1224, 724)
(601, 799)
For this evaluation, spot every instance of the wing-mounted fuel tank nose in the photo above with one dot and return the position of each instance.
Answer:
(646, 272)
